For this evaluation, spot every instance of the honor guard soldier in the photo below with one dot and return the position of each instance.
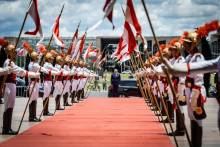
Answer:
(176, 48)
(47, 85)
(10, 88)
(75, 81)
(67, 81)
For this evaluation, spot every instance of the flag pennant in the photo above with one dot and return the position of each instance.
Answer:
(103, 59)
(97, 57)
(33, 12)
(93, 52)
(108, 10)
(73, 45)
(79, 47)
(130, 16)
(55, 31)
(86, 54)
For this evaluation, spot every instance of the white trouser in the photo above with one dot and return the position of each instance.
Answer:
(9, 95)
(58, 87)
(80, 84)
(47, 88)
(67, 87)
(190, 112)
(74, 85)
(84, 82)
(35, 93)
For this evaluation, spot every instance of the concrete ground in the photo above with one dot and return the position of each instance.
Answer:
(211, 135)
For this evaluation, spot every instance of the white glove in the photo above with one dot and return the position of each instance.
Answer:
(176, 69)
(180, 91)
(72, 73)
(193, 98)
(33, 74)
(146, 72)
(66, 73)
(79, 74)
(56, 73)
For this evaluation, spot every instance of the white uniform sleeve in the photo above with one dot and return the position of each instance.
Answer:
(198, 78)
(204, 66)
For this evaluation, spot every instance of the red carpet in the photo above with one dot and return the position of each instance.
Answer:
(97, 122)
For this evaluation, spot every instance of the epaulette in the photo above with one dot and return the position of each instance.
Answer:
(198, 54)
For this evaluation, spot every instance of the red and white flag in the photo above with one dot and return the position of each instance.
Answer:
(79, 47)
(103, 59)
(108, 10)
(73, 45)
(86, 54)
(33, 12)
(93, 52)
(55, 31)
(123, 58)
(97, 57)
(130, 17)
(127, 43)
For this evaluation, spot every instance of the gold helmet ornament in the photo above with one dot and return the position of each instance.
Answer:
(85, 64)
(67, 60)
(11, 51)
(50, 56)
(75, 62)
(194, 38)
(81, 63)
(34, 56)
(165, 51)
(59, 59)
(176, 45)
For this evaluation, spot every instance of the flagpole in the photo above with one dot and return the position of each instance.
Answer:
(16, 44)
(168, 75)
(36, 78)
(95, 72)
(68, 75)
(55, 77)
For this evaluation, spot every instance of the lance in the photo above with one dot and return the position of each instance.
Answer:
(35, 83)
(158, 86)
(155, 101)
(139, 80)
(94, 72)
(98, 74)
(76, 66)
(80, 77)
(16, 44)
(55, 77)
(168, 75)
(70, 70)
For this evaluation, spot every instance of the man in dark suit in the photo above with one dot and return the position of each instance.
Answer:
(115, 82)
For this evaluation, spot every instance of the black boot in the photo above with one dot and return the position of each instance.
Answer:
(65, 100)
(170, 112)
(46, 112)
(196, 134)
(179, 128)
(78, 94)
(58, 105)
(73, 97)
(162, 108)
(32, 111)
(1, 102)
(82, 95)
(7, 119)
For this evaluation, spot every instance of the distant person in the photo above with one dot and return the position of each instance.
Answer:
(115, 82)
(96, 83)
(104, 80)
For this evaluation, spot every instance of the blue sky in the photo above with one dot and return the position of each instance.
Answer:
(169, 17)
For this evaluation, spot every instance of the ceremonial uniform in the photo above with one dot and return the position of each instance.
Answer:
(34, 67)
(66, 80)
(9, 92)
(47, 85)
(75, 83)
